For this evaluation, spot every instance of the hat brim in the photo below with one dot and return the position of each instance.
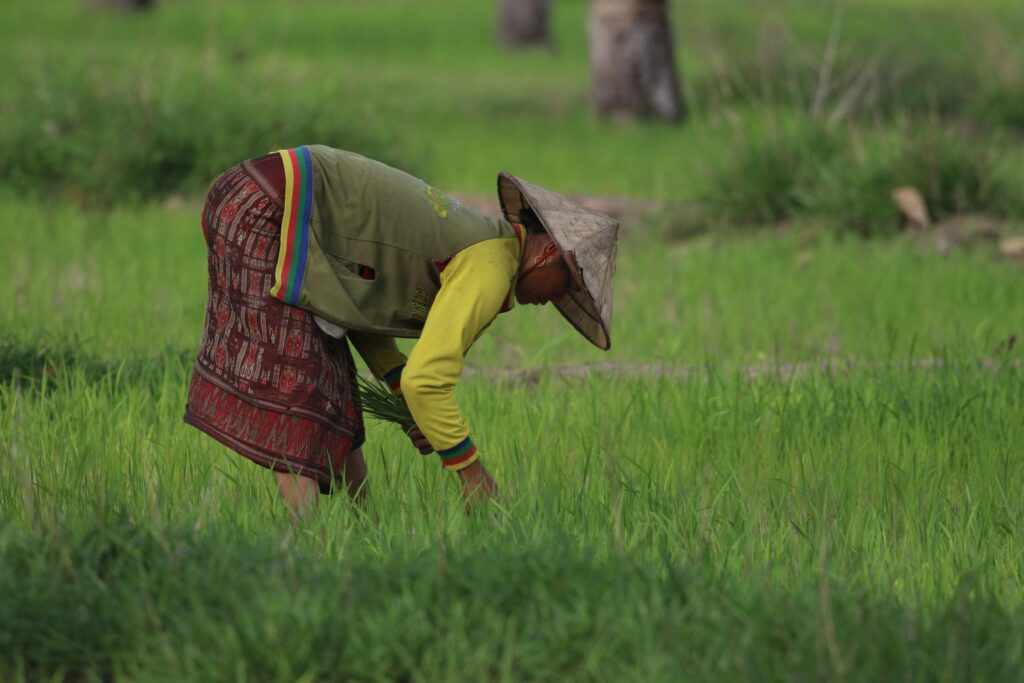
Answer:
(580, 306)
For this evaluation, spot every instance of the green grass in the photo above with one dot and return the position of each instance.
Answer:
(865, 522)
(860, 520)
(132, 284)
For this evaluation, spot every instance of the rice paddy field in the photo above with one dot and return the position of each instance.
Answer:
(802, 458)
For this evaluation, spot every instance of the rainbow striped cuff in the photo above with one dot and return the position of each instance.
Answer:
(298, 207)
(394, 378)
(463, 454)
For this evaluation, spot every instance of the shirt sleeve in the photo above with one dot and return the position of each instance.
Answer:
(474, 288)
(381, 355)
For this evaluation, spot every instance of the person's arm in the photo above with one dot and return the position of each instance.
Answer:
(473, 288)
(381, 355)
(386, 362)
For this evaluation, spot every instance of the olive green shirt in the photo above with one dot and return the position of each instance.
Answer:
(361, 241)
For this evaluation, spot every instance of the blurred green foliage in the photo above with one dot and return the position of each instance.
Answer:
(110, 141)
(795, 109)
(781, 169)
(124, 601)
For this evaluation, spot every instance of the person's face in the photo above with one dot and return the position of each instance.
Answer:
(545, 276)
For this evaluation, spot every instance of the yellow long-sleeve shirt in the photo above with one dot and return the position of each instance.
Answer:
(476, 285)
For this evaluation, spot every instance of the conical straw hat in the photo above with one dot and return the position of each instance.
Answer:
(587, 241)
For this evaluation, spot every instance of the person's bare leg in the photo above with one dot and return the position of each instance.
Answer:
(354, 471)
(302, 494)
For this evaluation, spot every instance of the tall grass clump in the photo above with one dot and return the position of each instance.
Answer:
(1005, 106)
(765, 178)
(955, 172)
(93, 134)
(845, 177)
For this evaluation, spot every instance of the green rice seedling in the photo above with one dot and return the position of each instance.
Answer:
(380, 403)
(636, 513)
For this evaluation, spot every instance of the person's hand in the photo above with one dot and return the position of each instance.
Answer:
(478, 486)
(419, 441)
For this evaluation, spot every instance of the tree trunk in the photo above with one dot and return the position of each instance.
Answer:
(123, 5)
(632, 60)
(524, 23)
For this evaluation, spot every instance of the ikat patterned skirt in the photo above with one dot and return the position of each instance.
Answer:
(267, 382)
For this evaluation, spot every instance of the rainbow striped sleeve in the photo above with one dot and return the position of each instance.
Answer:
(298, 207)
(462, 454)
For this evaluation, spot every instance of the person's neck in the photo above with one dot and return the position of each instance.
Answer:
(531, 246)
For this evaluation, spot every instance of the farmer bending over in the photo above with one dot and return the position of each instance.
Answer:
(312, 248)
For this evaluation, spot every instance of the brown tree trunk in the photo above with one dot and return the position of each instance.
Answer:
(524, 23)
(123, 5)
(632, 60)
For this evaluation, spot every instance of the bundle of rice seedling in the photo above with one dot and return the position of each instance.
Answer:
(380, 403)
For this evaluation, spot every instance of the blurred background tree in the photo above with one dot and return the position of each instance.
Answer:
(632, 60)
(124, 5)
(524, 23)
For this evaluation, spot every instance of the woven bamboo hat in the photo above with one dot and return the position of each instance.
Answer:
(587, 241)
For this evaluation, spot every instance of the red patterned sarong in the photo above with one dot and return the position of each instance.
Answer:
(267, 382)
